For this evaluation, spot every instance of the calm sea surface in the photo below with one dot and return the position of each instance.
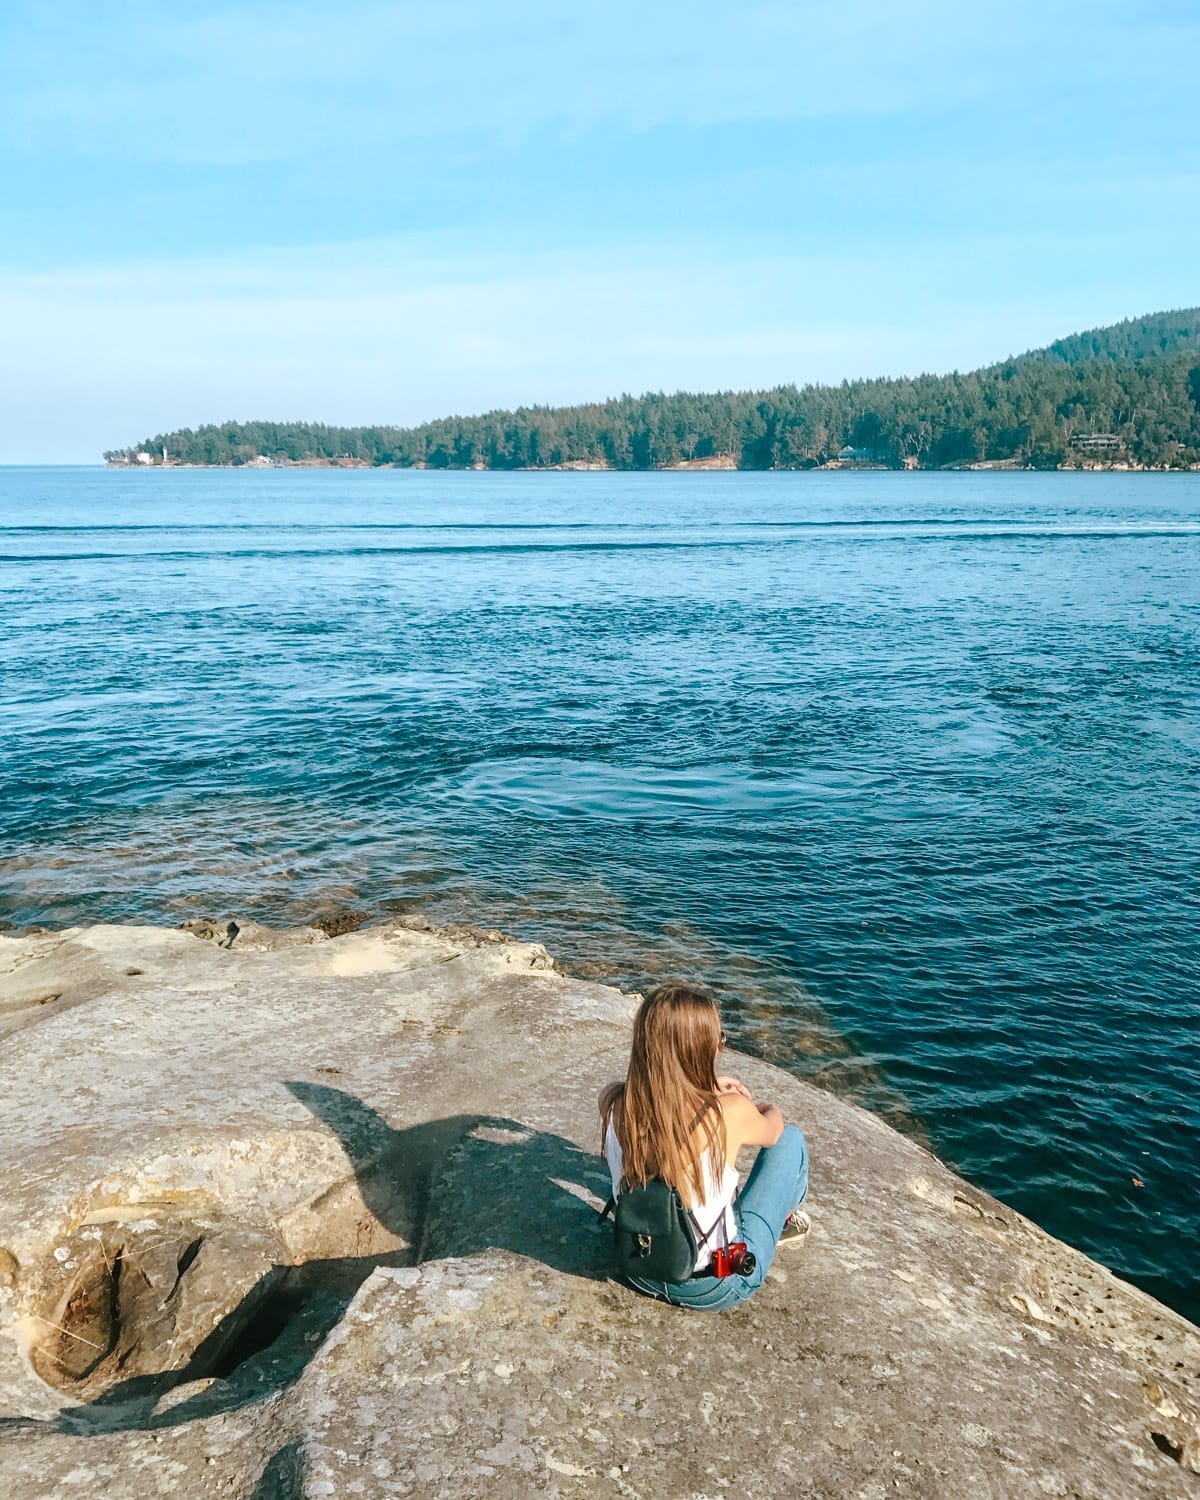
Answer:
(907, 766)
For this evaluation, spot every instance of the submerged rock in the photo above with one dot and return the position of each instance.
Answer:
(309, 1216)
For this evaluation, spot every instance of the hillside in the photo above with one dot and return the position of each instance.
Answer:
(1134, 338)
(1136, 384)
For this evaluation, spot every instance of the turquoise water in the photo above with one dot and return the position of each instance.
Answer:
(906, 765)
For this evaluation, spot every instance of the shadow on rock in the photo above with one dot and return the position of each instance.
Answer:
(472, 1182)
(283, 1478)
(449, 1187)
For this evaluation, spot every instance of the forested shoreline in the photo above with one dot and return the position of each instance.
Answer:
(1128, 394)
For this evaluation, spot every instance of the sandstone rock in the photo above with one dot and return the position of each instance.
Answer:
(316, 1217)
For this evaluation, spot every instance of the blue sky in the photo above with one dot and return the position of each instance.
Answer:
(370, 212)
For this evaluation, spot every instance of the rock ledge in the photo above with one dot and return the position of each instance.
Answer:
(291, 1215)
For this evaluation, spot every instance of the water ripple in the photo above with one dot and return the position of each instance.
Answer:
(906, 766)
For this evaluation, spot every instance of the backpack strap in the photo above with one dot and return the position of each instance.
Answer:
(703, 1239)
(611, 1206)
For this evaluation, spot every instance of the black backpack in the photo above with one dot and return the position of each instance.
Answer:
(654, 1236)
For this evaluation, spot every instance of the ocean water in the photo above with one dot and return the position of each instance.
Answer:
(907, 766)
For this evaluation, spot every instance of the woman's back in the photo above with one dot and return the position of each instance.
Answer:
(712, 1215)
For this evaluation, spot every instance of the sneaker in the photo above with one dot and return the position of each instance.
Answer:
(795, 1228)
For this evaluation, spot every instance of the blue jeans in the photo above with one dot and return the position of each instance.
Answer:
(778, 1184)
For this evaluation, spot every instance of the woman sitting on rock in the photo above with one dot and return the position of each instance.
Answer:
(675, 1121)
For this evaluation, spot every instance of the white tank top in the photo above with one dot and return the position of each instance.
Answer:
(719, 1191)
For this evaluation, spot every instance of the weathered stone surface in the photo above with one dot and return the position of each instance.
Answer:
(315, 1217)
(143, 1302)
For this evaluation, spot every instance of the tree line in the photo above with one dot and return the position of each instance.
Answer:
(1137, 382)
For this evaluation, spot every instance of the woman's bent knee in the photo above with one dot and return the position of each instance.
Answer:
(797, 1156)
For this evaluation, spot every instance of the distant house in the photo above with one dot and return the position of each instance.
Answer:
(849, 455)
(142, 457)
(1096, 442)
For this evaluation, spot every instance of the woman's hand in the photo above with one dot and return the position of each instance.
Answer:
(727, 1085)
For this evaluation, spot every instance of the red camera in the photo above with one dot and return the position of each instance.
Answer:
(733, 1260)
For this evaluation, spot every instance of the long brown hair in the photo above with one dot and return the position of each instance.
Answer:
(669, 1091)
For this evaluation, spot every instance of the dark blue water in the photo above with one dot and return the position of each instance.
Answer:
(907, 766)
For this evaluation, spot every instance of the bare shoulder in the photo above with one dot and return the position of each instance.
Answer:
(748, 1124)
(741, 1118)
